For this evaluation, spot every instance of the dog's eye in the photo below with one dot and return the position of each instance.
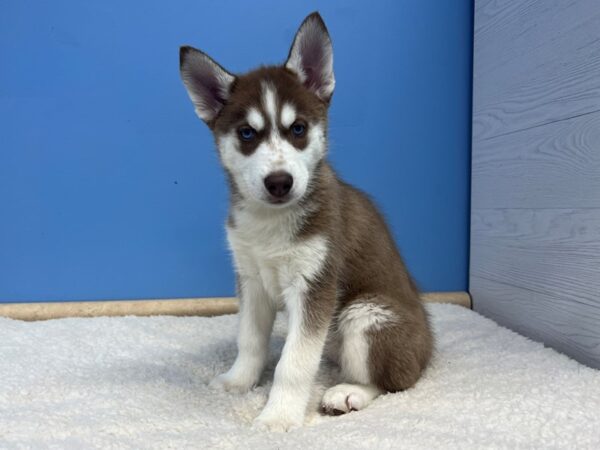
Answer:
(298, 129)
(247, 133)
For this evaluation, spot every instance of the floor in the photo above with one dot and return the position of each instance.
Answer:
(134, 382)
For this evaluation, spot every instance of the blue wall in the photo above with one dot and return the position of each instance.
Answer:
(110, 187)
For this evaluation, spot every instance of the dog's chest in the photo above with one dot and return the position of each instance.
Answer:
(269, 251)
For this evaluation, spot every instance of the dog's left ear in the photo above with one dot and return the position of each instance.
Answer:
(311, 57)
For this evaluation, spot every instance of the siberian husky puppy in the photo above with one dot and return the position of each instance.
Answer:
(304, 239)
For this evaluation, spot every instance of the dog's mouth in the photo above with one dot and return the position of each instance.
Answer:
(279, 201)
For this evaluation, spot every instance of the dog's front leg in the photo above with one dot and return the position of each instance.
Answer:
(309, 318)
(257, 313)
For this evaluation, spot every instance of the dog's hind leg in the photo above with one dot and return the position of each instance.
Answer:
(384, 347)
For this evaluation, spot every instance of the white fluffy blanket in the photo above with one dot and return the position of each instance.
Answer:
(141, 383)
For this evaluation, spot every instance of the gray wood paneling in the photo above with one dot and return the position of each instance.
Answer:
(535, 221)
(557, 323)
(536, 62)
(554, 253)
(552, 166)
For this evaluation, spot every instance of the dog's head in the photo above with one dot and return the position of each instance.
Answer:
(270, 125)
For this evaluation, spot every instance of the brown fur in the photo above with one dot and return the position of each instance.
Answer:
(363, 264)
(366, 266)
(246, 92)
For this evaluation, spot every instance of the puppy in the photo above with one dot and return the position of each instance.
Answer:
(305, 240)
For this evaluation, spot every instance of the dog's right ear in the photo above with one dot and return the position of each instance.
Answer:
(207, 83)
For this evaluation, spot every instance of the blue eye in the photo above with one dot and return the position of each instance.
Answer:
(247, 133)
(298, 129)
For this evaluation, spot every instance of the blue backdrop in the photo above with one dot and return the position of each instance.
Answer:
(110, 186)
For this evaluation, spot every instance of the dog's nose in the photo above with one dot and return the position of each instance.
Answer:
(279, 183)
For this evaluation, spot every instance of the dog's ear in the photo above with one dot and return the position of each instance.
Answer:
(311, 56)
(207, 83)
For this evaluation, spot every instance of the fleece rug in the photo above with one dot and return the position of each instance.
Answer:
(134, 382)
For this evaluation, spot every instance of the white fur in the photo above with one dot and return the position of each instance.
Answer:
(353, 323)
(288, 115)
(255, 119)
(274, 267)
(349, 397)
(270, 104)
(256, 322)
(264, 249)
(273, 154)
(280, 269)
(297, 367)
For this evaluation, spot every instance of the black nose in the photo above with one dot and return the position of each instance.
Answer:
(279, 184)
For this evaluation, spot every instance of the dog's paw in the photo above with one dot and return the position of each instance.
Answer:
(344, 398)
(276, 422)
(227, 382)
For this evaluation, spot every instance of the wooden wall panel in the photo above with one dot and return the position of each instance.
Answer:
(552, 166)
(535, 220)
(558, 323)
(536, 62)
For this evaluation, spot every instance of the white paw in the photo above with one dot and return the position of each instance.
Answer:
(277, 422)
(228, 382)
(344, 398)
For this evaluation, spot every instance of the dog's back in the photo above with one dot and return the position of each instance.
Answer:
(370, 275)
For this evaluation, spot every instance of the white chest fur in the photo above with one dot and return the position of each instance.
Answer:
(265, 248)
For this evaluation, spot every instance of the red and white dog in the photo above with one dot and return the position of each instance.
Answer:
(305, 240)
